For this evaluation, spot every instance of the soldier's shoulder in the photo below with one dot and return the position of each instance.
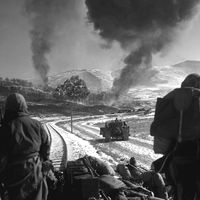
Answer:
(31, 120)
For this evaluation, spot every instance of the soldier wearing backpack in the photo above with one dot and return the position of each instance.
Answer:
(176, 131)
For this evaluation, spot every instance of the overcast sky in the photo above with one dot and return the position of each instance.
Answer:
(75, 44)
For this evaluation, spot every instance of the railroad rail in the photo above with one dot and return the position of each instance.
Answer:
(58, 150)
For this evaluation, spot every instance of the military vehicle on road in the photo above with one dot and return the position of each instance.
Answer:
(115, 129)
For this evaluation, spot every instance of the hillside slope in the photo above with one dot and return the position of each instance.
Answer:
(94, 79)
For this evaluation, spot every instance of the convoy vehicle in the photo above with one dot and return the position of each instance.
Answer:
(115, 129)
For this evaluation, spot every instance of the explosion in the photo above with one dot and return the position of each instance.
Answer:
(141, 27)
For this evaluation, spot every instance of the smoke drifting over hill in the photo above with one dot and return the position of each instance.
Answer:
(142, 27)
(46, 17)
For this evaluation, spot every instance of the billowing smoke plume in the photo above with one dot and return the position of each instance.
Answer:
(45, 17)
(142, 27)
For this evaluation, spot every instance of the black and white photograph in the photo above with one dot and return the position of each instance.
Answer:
(100, 99)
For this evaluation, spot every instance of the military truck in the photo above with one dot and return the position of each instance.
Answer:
(115, 129)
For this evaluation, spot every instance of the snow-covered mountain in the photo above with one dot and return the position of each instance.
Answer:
(189, 66)
(172, 76)
(94, 79)
(164, 79)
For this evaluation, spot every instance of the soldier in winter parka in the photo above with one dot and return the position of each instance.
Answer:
(26, 144)
(183, 151)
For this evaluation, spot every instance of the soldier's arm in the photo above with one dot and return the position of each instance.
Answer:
(45, 146)
(5, 140)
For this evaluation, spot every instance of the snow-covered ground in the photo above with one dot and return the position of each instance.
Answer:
(86, 139)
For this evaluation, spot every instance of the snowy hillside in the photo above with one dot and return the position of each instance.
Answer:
(164, 79)
(94, 79)
(167, 78)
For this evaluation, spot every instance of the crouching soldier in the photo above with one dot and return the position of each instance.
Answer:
(149, 179)
(25, 143)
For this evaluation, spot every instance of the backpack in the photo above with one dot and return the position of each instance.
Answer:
(176, 129)
(178, 117)
(82, 181)
(79, 181)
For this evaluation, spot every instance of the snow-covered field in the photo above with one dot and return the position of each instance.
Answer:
(86, 139)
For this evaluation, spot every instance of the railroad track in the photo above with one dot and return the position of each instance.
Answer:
(58, 150)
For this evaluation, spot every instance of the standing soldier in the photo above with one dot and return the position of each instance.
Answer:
(176, 126)
(25, 143)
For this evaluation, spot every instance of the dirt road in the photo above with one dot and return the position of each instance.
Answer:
(84, 130)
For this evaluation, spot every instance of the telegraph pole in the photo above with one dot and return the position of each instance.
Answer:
(71, 119)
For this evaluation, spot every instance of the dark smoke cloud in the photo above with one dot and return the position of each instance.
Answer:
(46, 16)
(143, 27)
